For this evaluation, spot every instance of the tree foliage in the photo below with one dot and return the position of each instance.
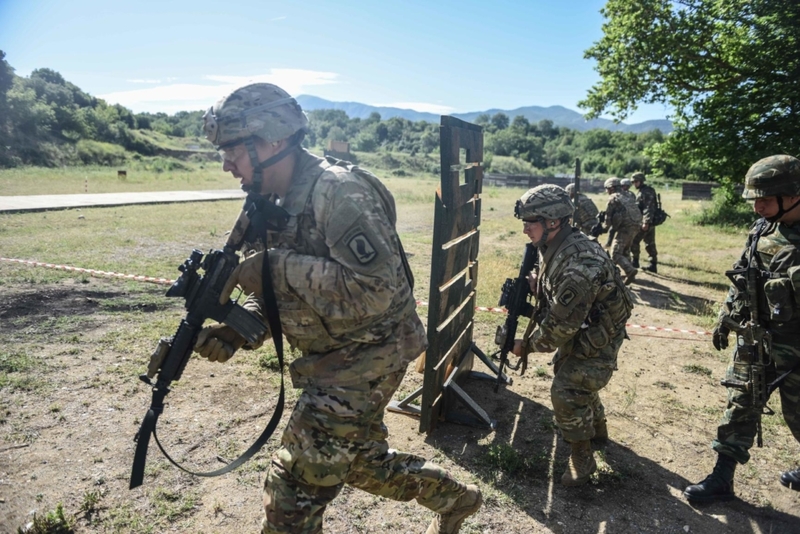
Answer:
(729, 68)
(50, 121)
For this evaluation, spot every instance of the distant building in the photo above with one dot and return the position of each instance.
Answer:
(339, 150)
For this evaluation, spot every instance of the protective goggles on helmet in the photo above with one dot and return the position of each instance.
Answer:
(232, 151)
(527, 222)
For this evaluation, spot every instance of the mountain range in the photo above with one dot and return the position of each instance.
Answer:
(560, 115)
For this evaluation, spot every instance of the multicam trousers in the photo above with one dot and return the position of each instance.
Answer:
(738, 428)
(649, 238)
(621, 248)
(336, 436)
(576, 386)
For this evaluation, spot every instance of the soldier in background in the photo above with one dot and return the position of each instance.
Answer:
(773, 249)
(625, 219)
(582, 308)
(344, 293)
(585, 216)
(647, 202)
(625, 185)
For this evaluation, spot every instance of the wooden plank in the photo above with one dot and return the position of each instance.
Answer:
(457, 257)
(454, 354)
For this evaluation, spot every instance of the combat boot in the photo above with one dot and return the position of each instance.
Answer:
(600, 439)
(635, 262)
(718, 486)
(652, 267)
(581, 464)
(630, 277)
(450, 521)
(791, 479)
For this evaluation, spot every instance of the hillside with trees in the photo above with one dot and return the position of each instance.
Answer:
(48, 121)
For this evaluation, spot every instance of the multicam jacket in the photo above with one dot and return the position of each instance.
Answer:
(622, 212)
(585, 216)
(344, 296)
(646, 199)
(580, 295)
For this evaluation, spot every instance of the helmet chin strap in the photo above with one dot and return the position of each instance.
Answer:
(259, 166)
(781, 210)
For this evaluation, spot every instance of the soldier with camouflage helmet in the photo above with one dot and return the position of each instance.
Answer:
(622, 216)
(343, 290)
(648, 203)
(585, 216)
(625, 188)
(772, 252)
(581, 309)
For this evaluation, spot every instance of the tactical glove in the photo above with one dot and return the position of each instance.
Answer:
(218, 342)
(246, 275)
(719, 336)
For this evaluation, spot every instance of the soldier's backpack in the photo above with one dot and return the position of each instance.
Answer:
(660, 216)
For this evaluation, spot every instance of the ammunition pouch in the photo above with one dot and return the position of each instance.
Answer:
(780, 294)
(606, 319)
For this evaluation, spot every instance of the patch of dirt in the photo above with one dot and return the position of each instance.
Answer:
(71, 403)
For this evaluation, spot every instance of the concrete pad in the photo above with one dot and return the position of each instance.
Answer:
(56, 202)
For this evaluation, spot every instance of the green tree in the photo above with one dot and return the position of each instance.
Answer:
(729, 68)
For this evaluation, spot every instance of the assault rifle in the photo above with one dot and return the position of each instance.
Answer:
(515, 296)
(202, 294)
(754, 342)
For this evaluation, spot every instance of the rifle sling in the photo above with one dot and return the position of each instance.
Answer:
(157, 405)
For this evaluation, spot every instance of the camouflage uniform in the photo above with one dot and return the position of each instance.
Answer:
(778, 250)
(582, 309)
(346, 303)
(776, 257)
(623, 216)
(344, 295)
(586, 211)
(646, 200)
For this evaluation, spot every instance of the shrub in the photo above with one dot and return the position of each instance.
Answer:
(99, 153)
(726, 212)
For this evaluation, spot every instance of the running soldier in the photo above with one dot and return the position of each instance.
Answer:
(585, 216)
(772, 255)
(648, 203)
(344, 293)
(625, 219)
(582, 308)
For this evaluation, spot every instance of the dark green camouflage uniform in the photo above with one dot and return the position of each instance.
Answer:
(647, 202)
(345, 301)
(582, 309)
(778, 250)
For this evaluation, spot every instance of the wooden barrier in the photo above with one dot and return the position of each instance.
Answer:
(453, 281)
(697, 190)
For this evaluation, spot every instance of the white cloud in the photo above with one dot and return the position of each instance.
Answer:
(424, 107)
(188, 96)
(143, 81)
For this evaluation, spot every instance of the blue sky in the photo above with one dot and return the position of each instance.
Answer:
(442, 56)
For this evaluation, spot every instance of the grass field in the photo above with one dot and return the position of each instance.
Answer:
(73, 346)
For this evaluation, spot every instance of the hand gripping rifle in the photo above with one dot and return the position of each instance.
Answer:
(515, 297)
(202, 295)
(597, 230)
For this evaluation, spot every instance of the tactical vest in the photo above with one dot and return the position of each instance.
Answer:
(613, 304)
(302, 325)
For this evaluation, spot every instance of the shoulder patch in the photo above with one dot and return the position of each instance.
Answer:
(361, 247)
(566, 296)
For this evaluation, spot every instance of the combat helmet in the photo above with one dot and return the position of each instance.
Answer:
(638, 176)
(259, 109)
(625, 182)
(569, 188)
(773, 176)
(256, 111)
(612, 183)
(547, 201)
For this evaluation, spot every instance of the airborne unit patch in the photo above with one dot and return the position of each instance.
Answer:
(362, 248)
(566, 296)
